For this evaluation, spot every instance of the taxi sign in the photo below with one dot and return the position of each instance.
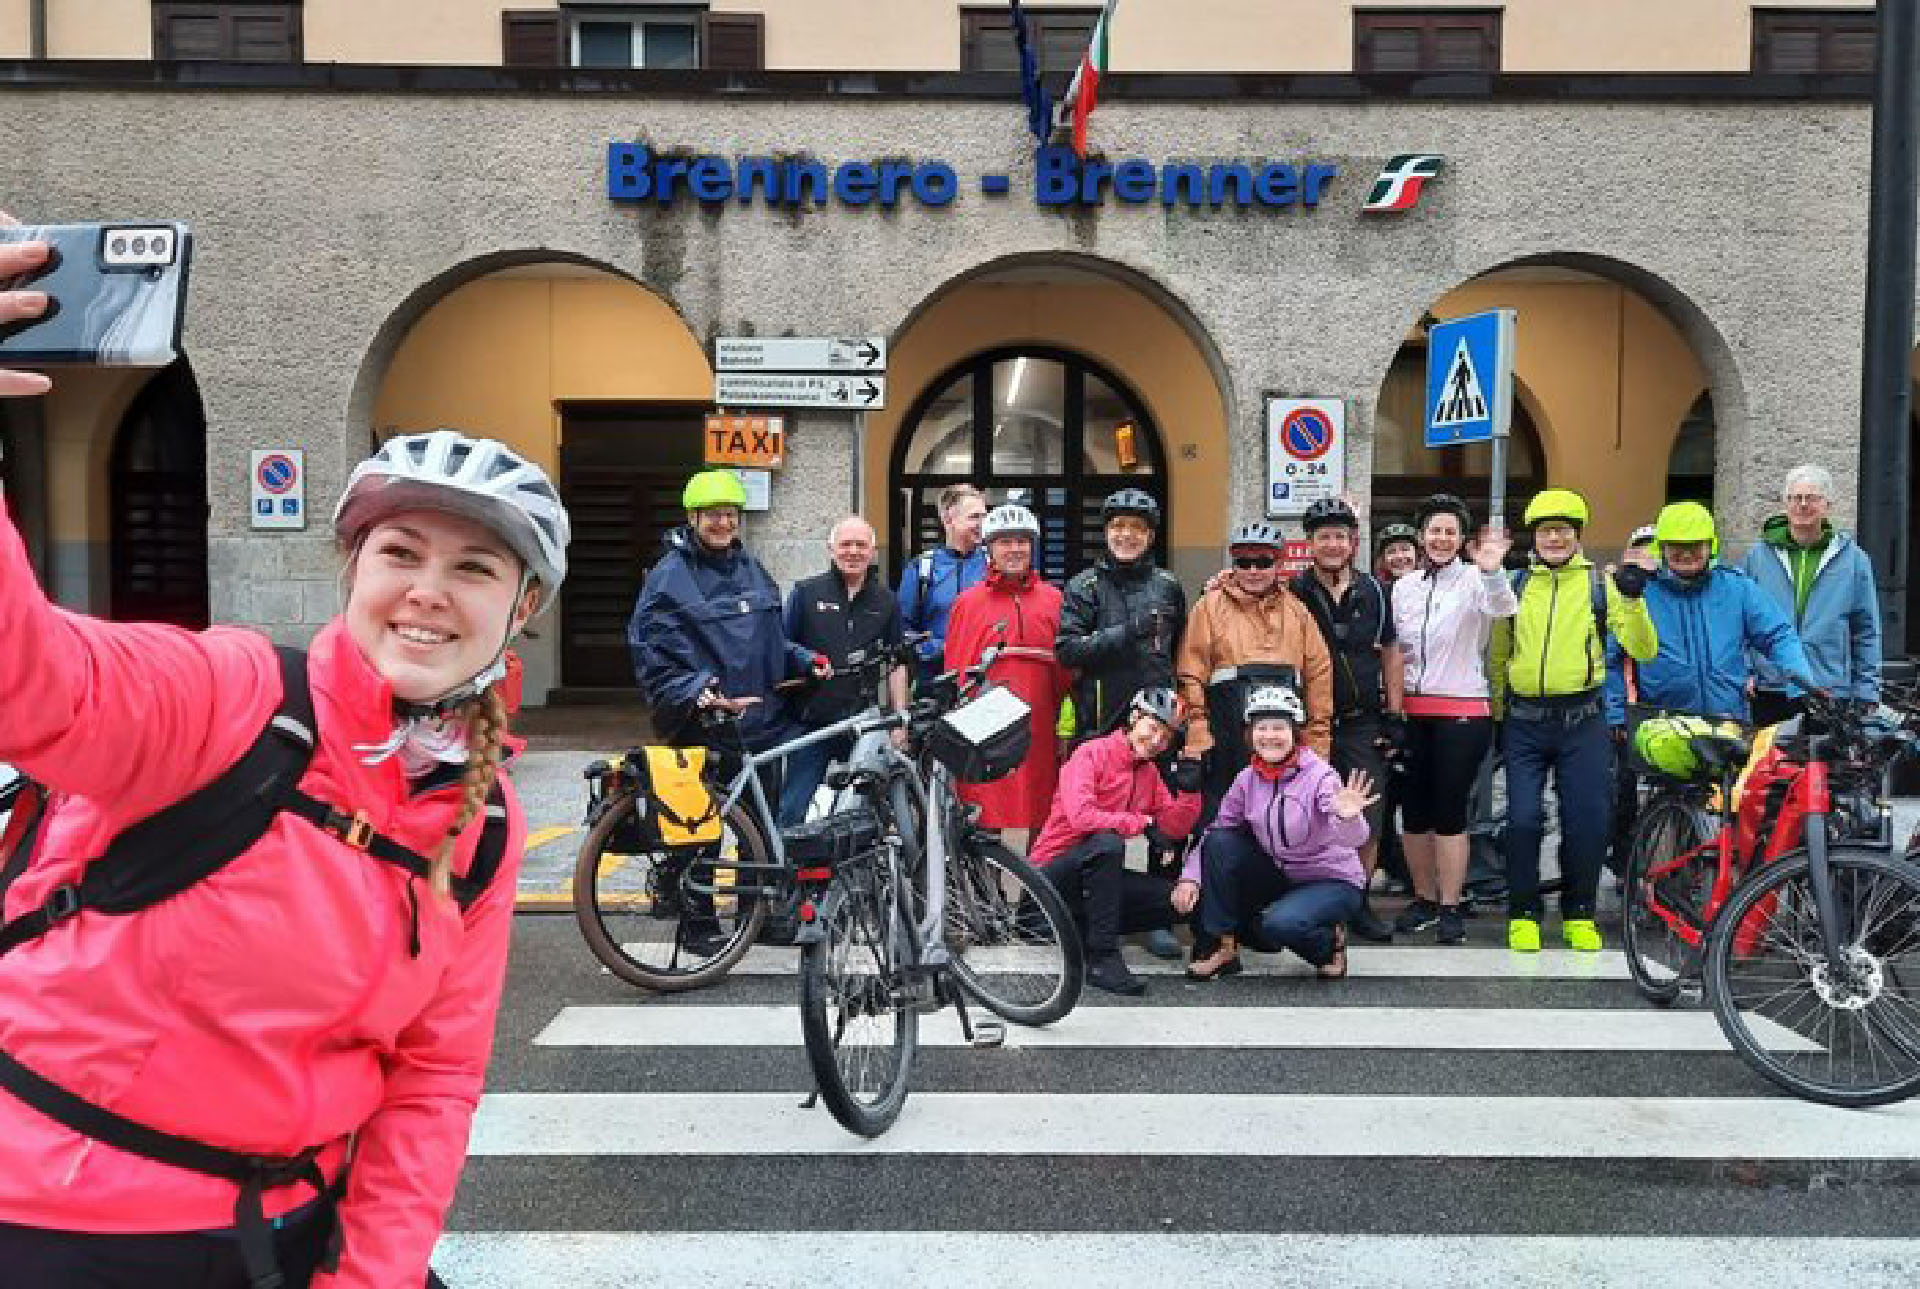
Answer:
(756, 442)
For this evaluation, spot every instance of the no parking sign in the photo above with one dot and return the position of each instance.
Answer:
(1306, 453)
(279, 488)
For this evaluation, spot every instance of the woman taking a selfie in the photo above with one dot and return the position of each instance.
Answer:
(268, 1076)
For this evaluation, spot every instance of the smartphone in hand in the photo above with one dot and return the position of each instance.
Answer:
(117, 295)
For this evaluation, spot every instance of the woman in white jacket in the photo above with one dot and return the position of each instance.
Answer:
(1442, 618)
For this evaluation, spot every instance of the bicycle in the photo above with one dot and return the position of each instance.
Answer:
(669, 921)
(1687, 852)
(1813, 966)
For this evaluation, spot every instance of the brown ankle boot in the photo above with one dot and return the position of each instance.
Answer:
(1224, 961)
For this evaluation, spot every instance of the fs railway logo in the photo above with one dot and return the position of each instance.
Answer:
(1400, 183)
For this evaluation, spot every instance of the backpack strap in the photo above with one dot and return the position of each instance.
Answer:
(149, 863)
(26, 804)
(358, 832)
(1597, 591)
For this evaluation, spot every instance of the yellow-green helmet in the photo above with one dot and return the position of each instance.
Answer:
(1685, 521)
(1556, 503)
(713, 488)
(1665, 743)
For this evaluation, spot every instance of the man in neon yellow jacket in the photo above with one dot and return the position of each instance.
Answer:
(1549, 664)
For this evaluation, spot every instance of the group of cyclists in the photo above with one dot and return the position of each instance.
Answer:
(1264, 740)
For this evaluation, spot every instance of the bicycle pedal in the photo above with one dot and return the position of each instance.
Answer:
(989, 1033)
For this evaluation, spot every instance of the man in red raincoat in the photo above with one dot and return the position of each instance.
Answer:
(1014, 607)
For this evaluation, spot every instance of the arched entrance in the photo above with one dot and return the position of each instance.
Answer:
(1047, 427)
(1609, 368)
(158, 510)
(593, 376)
(1063, 376)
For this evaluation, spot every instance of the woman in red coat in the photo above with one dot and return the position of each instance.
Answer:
(1014, 607)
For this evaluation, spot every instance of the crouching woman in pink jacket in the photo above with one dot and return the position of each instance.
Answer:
(1110, 790)
(268, 1078)
(1280, 863)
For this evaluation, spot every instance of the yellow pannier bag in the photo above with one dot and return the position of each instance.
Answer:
(674, 807)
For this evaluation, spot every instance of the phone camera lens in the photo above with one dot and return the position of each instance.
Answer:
(160, 245)
(119, 246)
(139, 246)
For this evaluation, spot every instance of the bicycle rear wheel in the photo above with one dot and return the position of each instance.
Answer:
(642, 918)
(1663, 916)
(856, 1016)
(1013, 942)
(1845, 1036)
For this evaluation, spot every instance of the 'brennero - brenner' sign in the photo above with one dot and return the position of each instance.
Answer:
(636, 173)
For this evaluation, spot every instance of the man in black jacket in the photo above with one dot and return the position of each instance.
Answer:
(1120, 623)
(844, 614)
(1355, 616)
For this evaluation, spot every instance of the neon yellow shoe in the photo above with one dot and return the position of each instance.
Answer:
(1523, 935)
(1581, 935)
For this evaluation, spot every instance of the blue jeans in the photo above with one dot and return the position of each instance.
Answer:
(1243, 890)
(805, 771)
(1580, 754)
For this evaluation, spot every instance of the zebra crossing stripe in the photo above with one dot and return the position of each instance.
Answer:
(1460, 1029)
(1419, 962)
(994, 1260)
(1234, 1126)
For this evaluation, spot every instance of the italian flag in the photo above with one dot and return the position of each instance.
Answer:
(1085, 90)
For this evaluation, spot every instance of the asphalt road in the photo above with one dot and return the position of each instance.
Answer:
(1443, 1116)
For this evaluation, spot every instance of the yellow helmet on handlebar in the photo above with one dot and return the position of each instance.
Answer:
(1665, 743)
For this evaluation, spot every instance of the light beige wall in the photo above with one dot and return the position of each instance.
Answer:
(99, 29)
(16, 33)
(1612, 378)
(458, 32)
(924, 35)
(82, 415)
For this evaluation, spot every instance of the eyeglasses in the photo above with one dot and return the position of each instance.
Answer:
(1804, 498)
(1254, 561)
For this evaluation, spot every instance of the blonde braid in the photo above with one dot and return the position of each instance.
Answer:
(486, 717)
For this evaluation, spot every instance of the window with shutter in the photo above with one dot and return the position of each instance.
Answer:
(1814, 41)
(1059, 37)
(247, 33)
(1412, 41)
(532, 38)
(734, 42)
(642, 36)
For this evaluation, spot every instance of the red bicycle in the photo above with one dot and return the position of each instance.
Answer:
(1801, 924)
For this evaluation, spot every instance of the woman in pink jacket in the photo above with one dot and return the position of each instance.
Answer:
(1281, 861)
(315, 1001)
(1110, 790)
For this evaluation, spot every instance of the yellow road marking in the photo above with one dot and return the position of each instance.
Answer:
(545, 835)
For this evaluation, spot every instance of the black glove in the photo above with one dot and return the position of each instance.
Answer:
(1186, 775)
(1630, 580)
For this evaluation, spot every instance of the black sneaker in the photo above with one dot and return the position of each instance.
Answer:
(1453, 927)
(1110, 973)
(1371, 927)
(1417, 916)
(708, 941)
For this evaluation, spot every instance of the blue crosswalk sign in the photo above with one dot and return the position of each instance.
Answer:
(1470, 378)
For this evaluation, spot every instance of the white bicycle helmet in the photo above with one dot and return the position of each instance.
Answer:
(1256, 533)
(479, 479)
(1276, 700)
(1009, 521)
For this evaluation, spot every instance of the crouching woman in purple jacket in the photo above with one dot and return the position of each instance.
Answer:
(1281, 863)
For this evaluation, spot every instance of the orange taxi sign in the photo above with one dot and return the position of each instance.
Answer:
(757, 442)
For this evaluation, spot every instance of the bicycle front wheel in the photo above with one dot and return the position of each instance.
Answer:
(1012, 940)
(648, 916)
(1664, 914)
(856, 1016)
(1846, 1033)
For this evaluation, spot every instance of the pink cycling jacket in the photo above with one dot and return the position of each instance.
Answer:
(271, 1007)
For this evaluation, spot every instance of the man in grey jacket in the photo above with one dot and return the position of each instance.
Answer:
(1823, 582)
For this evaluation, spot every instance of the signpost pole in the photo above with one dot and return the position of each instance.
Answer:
(859, 464)
(1497, 503)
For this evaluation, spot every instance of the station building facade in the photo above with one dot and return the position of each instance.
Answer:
(384, 248)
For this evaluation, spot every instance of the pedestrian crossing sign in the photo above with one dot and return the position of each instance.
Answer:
(1470, 378)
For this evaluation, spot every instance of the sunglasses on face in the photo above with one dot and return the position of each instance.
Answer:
(1254, 561)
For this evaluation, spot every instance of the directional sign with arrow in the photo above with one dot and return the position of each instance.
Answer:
(799, 389)
(800, 353)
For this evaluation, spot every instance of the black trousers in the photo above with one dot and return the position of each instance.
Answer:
(34, 1258)
(1107, 898)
